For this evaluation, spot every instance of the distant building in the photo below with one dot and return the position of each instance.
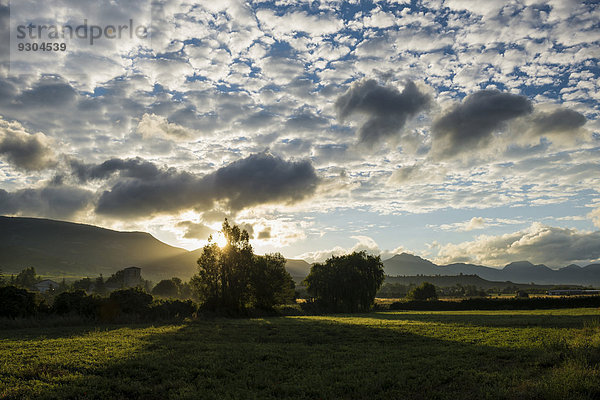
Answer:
(132, 276)
(45, 285)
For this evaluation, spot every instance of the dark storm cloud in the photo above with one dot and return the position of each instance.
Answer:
(387, 108)
(50, 201)
(258, 179)
(132, 168)
(24, 151)
(560, 120)
(471, 123)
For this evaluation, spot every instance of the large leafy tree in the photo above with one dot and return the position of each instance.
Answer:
(270, 283)
(346, 283)
(232, 278)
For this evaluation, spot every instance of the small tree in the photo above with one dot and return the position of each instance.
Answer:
(26, 278)
(222, 281)
(347, 283)
(425, 291)
(167, 288)
(232, 278)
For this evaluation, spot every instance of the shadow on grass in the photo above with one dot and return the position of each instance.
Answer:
(307, 358)
(68, 331)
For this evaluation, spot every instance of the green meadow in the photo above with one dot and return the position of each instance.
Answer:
(547, 354)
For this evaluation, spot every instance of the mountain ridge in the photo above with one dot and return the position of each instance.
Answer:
(518, 271)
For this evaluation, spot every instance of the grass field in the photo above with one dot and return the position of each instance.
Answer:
(549, 354)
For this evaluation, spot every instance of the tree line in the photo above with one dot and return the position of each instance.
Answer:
(230, 280)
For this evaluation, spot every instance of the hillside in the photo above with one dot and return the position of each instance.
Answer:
(59, 248)
(65, 248)
(518, 272)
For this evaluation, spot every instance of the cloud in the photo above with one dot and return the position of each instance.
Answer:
(364, 243)
(264, 234)
(387, 109)
(131, 168)
(195, 230)
(595, 216)
(152, 125)
(257, 179)
(49, 201)
(557, 121)
(470, 125)
(417, 174)
(540, 244)
(474, 223)
(31, 152)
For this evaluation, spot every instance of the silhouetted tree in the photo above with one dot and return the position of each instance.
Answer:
(271, 284)
(425, 291)
(347, 283)
(26, 278)
(232, 278)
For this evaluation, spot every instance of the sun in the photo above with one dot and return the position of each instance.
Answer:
(219, 239)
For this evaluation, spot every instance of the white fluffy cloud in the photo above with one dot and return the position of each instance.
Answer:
(364, 243)
(539, 243)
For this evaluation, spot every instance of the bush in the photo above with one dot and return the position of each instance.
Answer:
(172, 309)
(76, 302)
(425, 291)
(131, 301)
(16, 302)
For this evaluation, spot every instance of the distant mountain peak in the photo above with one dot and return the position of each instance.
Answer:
(407, 257)
(519, 265)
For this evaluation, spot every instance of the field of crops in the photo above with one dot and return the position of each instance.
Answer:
(549, 354)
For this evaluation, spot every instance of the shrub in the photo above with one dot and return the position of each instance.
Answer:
(16, 302)
(172, 309)
(425, 291)
(131, 301)
(76, 302)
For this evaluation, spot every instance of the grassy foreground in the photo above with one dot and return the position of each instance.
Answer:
(549, 354)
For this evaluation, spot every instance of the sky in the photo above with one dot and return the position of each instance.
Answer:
(455, 130)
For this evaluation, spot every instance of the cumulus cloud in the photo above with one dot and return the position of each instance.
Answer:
(595, 216)
(386, 108)
(48, 201)
(258, 179)
(364, 243)
(540, 244)
(471, 124)
(152, 125)
(31, 152)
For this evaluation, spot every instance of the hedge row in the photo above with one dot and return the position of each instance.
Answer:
(121, 304)
(534, 303)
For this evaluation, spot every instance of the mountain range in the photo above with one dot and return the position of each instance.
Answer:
(518, 272)
(58, 248)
